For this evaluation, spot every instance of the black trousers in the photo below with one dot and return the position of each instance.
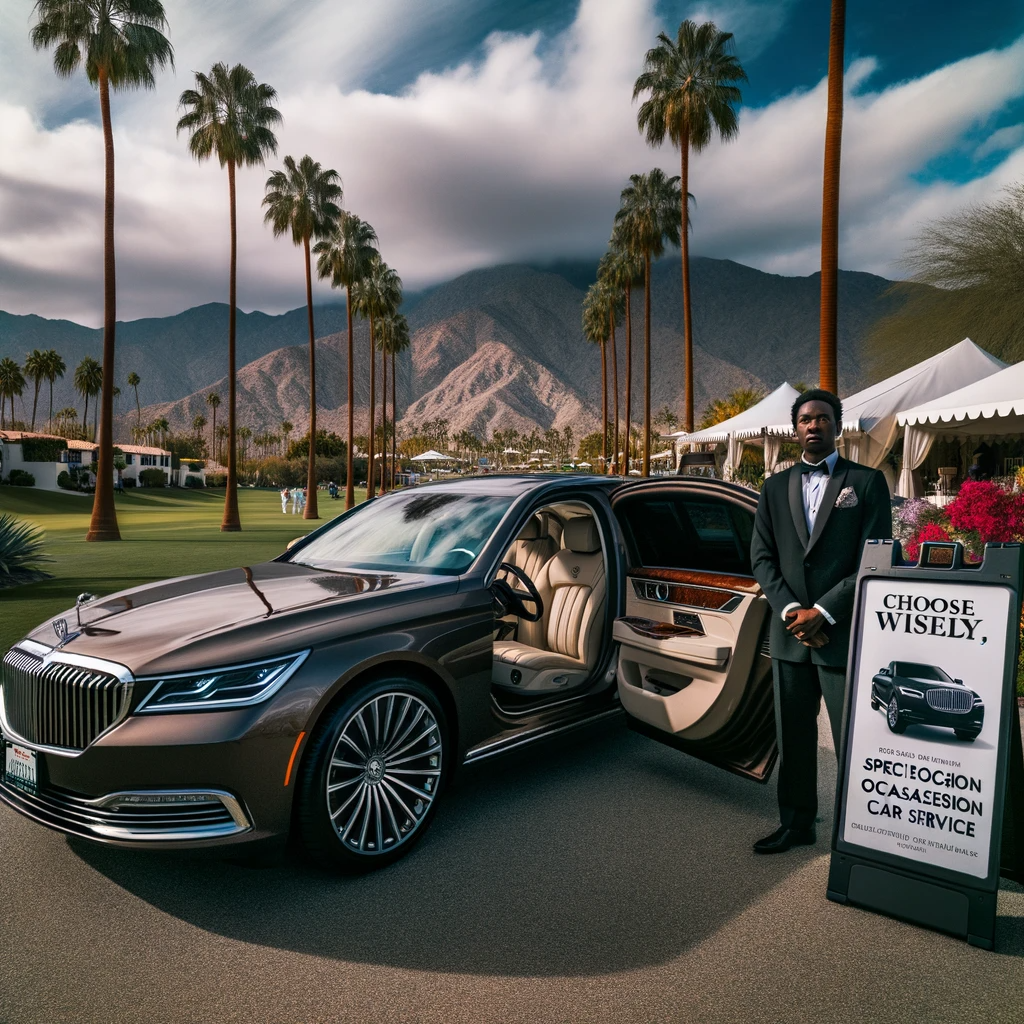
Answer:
(799, 687)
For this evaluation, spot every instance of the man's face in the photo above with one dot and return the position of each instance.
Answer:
(816, 430)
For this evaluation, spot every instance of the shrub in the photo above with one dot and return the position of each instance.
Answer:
(19, 478)
(929, 532)
(152, 478)
(21, 547)
(216, 479)
(193, 481)
(64, 480)
(129, 481)
(43, 449)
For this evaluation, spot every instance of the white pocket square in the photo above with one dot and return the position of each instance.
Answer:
(847, 498)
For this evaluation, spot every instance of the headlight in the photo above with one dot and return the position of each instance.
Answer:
(236, 686)
(908, 691)
(978, 702)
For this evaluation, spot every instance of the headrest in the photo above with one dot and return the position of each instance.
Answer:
(581, 535)
(531, 531)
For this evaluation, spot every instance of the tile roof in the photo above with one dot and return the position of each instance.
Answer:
(141, 449)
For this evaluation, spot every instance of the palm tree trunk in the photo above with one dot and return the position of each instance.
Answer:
(213, 432)
(629, 374)
(103, 524)
(85, 411)
(827, 371)
(230, 522)
(684, 246)
(35, 402)
(394, 415)
(615, 398)
(604, 410)
(350, 487)
(384, 422)
(50, 421)
(647, 364)
(311, 509)
(373, 412)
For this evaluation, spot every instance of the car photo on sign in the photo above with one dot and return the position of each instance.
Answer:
(910, 693)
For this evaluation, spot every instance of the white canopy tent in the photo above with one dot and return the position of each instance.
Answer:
(869, 416)
(991, 407)
(750, 425)
(433, 456)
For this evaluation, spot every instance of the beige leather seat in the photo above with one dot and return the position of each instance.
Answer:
(531, 551)
(572, 585)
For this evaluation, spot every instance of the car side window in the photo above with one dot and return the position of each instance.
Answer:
(689, 532)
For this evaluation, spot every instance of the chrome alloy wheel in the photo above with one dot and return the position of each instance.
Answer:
(384, 772)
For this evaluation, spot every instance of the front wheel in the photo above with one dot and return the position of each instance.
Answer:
(370, 779)
(896, 721)
(968, 735)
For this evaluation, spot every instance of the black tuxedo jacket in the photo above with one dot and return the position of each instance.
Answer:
(821, 568)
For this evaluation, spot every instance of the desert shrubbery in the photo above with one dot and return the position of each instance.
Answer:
(152, 478)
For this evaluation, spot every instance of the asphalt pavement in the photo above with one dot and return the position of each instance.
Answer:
(601, 878)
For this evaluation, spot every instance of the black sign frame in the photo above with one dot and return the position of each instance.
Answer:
(926, 894)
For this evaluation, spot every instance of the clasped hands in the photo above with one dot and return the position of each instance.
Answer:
(805, 624)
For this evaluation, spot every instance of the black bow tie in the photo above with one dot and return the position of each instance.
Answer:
(819, 467)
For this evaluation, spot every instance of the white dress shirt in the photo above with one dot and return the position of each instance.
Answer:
(813, 485)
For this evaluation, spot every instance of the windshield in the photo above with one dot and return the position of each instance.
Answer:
(910, 670)
(436, 531)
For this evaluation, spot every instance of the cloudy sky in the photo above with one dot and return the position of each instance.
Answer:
(475, 132)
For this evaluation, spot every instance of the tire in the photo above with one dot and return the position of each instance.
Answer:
(968, 735)
(897, 723)
(355, 811)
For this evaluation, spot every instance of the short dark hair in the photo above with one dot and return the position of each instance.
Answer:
(819, 395)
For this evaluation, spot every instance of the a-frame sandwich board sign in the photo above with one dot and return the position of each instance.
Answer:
(931, 782)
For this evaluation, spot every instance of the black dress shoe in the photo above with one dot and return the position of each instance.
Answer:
(783, 838)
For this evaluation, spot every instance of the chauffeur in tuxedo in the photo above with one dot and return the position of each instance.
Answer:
(811, 525)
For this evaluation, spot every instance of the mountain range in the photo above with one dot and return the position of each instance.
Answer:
(492, 349)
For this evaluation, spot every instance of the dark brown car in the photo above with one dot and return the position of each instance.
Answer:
(333, 690)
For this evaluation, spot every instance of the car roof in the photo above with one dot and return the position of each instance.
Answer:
(498, 483)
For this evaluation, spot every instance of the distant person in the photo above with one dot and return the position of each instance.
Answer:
(302, 499)
(285, 495)
(811, 525)
(295, 500)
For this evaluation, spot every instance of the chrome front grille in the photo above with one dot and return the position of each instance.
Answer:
(60, 705)
(957, 701)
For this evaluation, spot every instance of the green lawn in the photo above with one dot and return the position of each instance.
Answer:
(173, 532)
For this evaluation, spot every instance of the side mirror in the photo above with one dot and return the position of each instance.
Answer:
(960, 681)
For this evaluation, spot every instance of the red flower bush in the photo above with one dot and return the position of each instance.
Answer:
(983, 508)
(930, 531)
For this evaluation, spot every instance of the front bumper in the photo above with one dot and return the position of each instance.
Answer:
(183, 780)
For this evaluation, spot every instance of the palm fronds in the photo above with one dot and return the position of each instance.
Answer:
(21, 548)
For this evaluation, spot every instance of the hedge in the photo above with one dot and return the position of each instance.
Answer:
(153, 478)
(216, 479)
(43, 449)
(19, 478)
(193, 481)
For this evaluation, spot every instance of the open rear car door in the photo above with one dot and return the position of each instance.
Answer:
(693, 664)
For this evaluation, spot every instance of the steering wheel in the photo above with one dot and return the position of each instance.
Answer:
(514, 601)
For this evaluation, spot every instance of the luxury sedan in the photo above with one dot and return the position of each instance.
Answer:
(923, 694)
(331, 692)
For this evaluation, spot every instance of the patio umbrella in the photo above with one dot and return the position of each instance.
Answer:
(432, 456)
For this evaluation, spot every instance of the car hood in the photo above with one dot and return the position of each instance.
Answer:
(219, 617)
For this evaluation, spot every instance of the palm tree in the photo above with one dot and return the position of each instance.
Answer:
(120, 42)
(243, 434)
(55, 367)
(377, 295)
(649, 216)
(613, 300)
(691, 96)
(230, 114)
(624, 268)
(595, 329)
(345, 257)
(213, 401)
(827, 369)
(163, 428)
(134, 380)
(12, 382)
(303, 199)
(35, 370)
(393, 335)
(198, 422)
(286, 428)
(221, 437)
(88, 381)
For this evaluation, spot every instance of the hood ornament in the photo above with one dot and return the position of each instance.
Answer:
(60, 627)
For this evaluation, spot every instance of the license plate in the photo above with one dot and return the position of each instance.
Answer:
(20, 767)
